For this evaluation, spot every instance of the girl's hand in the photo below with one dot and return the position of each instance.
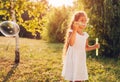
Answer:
(75, 26)
(97, 46)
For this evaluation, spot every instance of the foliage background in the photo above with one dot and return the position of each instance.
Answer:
(41, 59)
(51, 23)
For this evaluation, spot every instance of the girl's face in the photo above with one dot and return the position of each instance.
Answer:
(82, 22)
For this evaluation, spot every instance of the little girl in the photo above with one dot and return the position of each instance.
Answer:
(76, 45)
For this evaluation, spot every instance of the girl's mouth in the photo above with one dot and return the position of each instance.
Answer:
(81, 24)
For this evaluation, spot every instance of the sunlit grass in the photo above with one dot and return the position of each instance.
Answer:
(41, 62)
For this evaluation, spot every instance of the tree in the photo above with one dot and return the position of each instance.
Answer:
(35, 12)
(13, 10)
(105, 18)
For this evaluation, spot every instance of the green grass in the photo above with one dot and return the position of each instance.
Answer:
(40, 61)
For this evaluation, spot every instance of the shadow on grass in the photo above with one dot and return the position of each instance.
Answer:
(9, 74)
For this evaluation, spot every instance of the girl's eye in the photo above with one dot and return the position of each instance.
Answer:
(84, 20)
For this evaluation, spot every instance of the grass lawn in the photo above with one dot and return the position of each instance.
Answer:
(40, 61)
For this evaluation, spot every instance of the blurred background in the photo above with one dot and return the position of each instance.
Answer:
(48, 20)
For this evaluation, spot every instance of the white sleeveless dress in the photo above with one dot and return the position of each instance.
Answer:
(74, 65)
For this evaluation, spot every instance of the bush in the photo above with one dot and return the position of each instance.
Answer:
(57, 23)
(105, 18)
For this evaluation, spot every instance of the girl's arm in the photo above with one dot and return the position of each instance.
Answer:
(93, 47)
(72, 38)
(73, 34)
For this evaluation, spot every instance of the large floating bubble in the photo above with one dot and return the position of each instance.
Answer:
(9, 28)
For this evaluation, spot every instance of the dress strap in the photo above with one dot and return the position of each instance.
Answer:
(86, 34)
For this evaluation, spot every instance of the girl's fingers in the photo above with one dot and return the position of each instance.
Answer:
(75, 25)
(97, 45)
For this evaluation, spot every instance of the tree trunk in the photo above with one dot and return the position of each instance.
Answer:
(12, 12)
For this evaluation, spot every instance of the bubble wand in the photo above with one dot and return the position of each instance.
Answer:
(96, 48)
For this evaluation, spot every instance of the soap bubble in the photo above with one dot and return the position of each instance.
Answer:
(9, 28)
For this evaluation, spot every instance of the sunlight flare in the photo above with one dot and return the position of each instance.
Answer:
(58, 3)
